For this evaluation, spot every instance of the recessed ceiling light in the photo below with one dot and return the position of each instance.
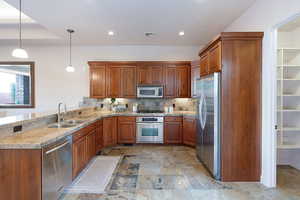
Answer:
(111, 33)
(181, 33)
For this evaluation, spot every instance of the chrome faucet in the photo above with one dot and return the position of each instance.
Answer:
(60, 115)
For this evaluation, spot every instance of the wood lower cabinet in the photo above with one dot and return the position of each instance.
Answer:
(110, 131)
(21, 174)
(99, 136)
(97, 80)
(189, 130)
(126, 130)
(173, 130)
(79, 156)
(195, 74)
(84, 147)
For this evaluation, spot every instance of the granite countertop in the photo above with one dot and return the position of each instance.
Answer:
(39, 137)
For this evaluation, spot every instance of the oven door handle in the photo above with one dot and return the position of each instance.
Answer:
(149, 124)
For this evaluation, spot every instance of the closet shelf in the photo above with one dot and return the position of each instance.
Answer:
(288, 146)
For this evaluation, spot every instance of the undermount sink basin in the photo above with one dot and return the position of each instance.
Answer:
(74, 121)
(62, 125)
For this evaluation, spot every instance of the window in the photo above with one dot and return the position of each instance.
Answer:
(16, 84)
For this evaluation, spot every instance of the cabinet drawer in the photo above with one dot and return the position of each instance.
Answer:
(173, 119)
(84, 131)
(126, 119)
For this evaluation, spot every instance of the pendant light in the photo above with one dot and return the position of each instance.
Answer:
(20, 52)
(70, 68)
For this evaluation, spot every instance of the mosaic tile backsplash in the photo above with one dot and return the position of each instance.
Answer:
(181, 104)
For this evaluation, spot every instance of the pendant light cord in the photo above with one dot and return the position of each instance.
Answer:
(20, 25)
(70, 48)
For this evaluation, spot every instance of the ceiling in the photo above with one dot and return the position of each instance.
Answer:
(47, 21)
(290, 26)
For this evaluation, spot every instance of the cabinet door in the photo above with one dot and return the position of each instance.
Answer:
(170, 82)
(128, 82)
(126, 130)
(157, 75)
(204, 64)
(91, 145)
(97, 81)
(195, 74)
(215, 58)
(110, 131)
(173, 130)
(79, 156)
(189, 131)
(183, 81)
(99, 136)
(113, 78)
(144, 75)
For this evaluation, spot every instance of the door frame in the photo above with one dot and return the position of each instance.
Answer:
(271, 155)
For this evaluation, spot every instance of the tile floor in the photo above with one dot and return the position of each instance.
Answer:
(150, 172)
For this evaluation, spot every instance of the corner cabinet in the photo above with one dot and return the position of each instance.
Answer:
(110, 125)
(238, 58)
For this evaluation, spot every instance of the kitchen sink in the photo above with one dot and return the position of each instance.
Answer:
(62, 125)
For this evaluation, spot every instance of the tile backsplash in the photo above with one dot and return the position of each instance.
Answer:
(181, 104)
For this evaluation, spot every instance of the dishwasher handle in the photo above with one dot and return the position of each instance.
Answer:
(57, 148)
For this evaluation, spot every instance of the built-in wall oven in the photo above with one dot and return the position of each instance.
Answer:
(150, 91)
(150, 129)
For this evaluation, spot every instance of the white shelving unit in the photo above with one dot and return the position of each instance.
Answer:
(288, 98)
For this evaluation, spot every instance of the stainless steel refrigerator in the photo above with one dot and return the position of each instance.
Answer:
(208, 123)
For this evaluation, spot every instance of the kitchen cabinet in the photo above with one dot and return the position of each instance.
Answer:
(120, 79)
(173, 130)
(110, 131)
(204, 64)
(21, 174)
(97, 80)
(238, 55)
(91, 145)
(126, 130)
(99, 136)
(150, 73)
(84, 147)
(79, 156)
(177, 81)
(189, 131)
(195, 74)
(113, 78)
(215, 58)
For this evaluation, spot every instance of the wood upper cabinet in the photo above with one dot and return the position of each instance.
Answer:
(183, 81)
(215, 58)
(173, 130)
(126, 130)
(128, 82)
(195, 74)
(204, 62)
(79, 156)
(97, 81)
(110, 131)
(189, 130)
(113, 78)
(170, 82)
(150, 74)
(177, 81)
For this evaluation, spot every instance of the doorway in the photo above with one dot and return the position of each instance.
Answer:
(288, 104)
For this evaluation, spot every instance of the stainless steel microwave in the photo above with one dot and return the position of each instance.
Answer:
(150, 91)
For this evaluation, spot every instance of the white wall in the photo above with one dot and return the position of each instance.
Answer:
(54, 84)
(264, 15)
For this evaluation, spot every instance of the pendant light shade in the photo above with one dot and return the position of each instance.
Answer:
(20, 52)
(70, 67)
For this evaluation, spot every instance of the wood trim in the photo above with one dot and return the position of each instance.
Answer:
(138, 63)
(32, 81)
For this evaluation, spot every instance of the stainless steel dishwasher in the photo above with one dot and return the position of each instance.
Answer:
(57, 168)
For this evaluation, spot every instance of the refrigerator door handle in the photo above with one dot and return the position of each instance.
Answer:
(205, 112)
